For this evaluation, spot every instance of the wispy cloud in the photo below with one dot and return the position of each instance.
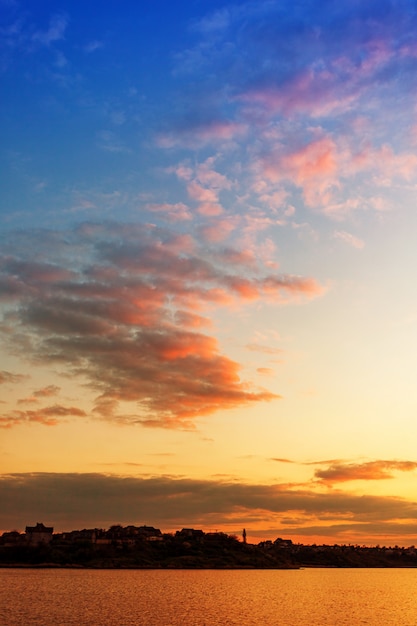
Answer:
(350, 239)
(40, 394)
(198, 133)
(47, 392)
(49, 416)
(56, 30)
(10, 377)
(255, 347)
(171, 212)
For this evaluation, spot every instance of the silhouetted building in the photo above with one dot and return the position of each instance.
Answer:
(11, 538)
(190, 533)
(38, 534)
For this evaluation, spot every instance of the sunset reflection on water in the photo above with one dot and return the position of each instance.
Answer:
(310, 597)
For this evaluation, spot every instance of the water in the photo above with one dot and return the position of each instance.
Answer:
(310, 597)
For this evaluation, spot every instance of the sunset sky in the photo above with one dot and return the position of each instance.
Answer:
(208, 229)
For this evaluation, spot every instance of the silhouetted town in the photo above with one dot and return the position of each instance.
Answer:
(147, 547)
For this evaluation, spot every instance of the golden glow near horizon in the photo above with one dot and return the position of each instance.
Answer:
(207, 258)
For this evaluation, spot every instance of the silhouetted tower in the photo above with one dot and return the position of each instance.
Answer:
(244, 535)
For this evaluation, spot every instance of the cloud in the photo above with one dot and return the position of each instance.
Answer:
(65, 501)
(371, 470)
(195, 134)
(348, 238)
(313, 167)
(204, 184)
(49, 416)
(56, 31)
(92, 46)
(255, 347)
(218, 230)
(265, 371)
(301, 54)
(171, 212)
(39, 394)
(297, 112)
(109, 141)
(8, 377)
(128, 318)
(47, 392)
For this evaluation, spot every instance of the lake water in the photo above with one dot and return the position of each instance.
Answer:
(310, 597)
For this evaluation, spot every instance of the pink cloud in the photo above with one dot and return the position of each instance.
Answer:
(383, 160)
(312, 92)
(317, 159)
(323, 169)
(206, 198)
(218, 230)
(209, 177)
(210, 209)
(204, 184)
(171, 212)
(314, 168)
(201, 194)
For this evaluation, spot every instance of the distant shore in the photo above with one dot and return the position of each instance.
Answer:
(129, 548)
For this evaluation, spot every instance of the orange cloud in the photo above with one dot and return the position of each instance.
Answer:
(128, 321)
(265, 371)
(49, 416)
(371, 470)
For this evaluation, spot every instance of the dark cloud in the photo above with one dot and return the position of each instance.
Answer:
(79, 500)
(127, 317)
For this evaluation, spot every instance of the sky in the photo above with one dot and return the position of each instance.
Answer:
(208, 313)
